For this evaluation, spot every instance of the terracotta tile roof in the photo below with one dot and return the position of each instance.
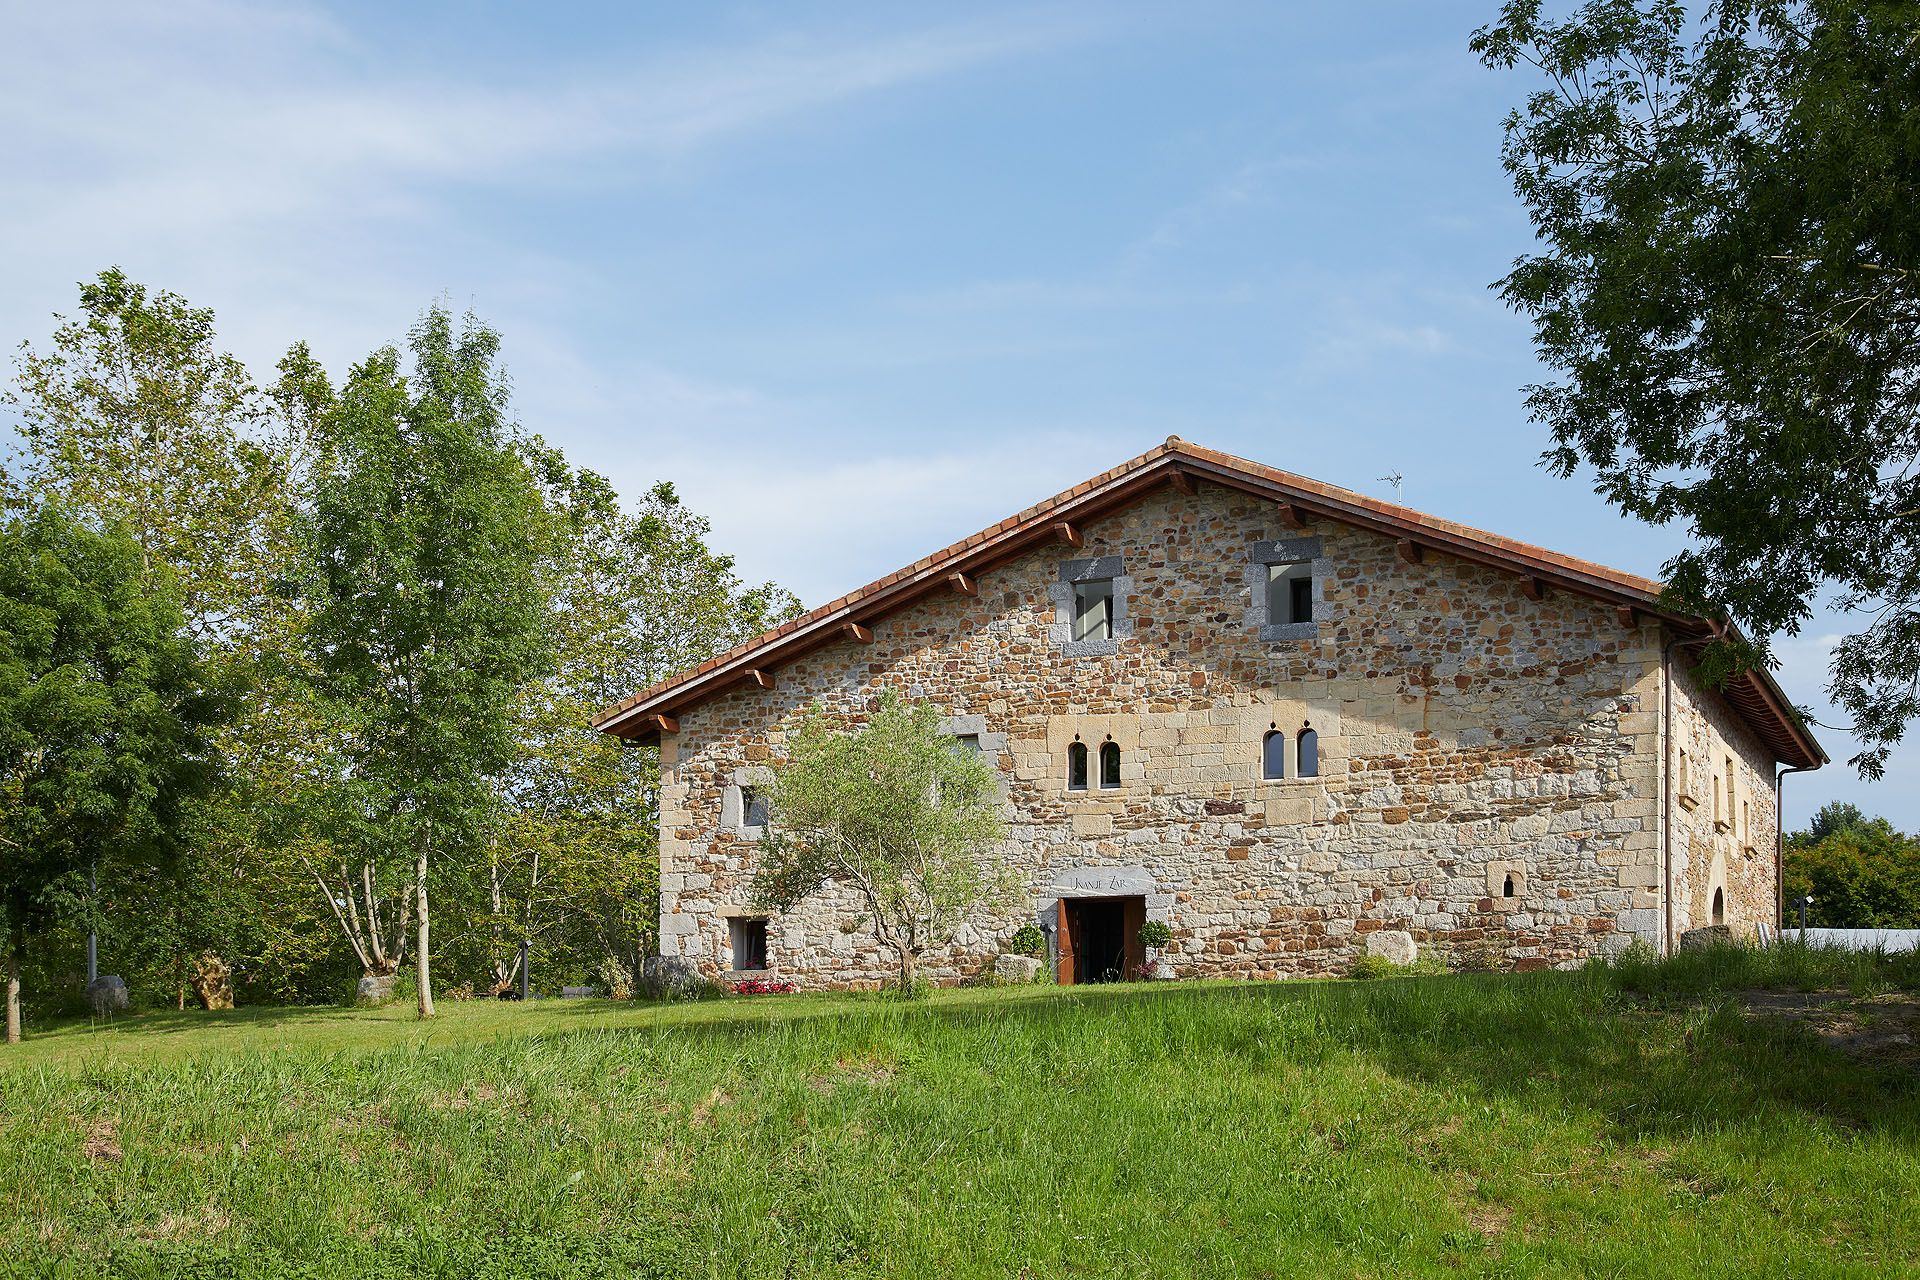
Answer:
(1756, 695)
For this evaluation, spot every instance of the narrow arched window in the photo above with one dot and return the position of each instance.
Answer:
(1109, 765)
(1719, 906)
(1077, 767)
(1273, 755)
(1507, 890)
(1307, 760)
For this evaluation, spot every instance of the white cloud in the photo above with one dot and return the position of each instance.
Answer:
(208, 115)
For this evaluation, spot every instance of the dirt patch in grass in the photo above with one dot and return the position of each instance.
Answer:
(1882, 1030)
(102, 1141)
(704, 1109)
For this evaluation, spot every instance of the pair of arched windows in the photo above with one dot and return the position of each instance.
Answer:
(1078, 758)
(1273, 754)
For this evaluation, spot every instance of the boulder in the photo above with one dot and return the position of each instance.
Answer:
(1712, 935)
(108, 994)
(663, 977)
(375, 988)
(1395, 946)
(579, 993)
(1015, 968)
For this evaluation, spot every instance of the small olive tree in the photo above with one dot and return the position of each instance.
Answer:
(897, 810)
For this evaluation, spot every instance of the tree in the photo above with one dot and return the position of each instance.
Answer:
(1729, 291)
(136, 418)
(1860, 871)
(106, 719)
(132, 416)
(631, 597)
(896, 811)
(426, 621)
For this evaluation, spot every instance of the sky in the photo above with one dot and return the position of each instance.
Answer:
(858, 279)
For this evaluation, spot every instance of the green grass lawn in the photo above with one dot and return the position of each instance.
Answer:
(1631, 1122)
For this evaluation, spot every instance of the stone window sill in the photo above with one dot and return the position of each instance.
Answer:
(1315, 780)
(1090, 648)
(1687, 802)
(1722, 827)
(1281, 632)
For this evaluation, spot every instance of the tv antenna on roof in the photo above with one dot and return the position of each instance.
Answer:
(1394, 478)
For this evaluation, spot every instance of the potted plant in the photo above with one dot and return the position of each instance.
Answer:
(1155, 936)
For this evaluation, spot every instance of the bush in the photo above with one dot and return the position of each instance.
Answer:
(1371, 967)
(1027, 940)
(1155, 934)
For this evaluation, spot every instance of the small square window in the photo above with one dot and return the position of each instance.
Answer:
(749, 939)
(967, 744)
(753, 807)
(1093, 609)
(1289, 593)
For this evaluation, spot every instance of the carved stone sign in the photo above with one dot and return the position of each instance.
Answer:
(1101, 882)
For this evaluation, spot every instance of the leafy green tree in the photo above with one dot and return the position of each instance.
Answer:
(631, 596)
(106, 719)
(1728, 289)
(894, 811)
(132, 415)
(1860, 871)
(423, 546)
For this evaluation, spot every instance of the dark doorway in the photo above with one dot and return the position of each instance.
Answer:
(1098, 939)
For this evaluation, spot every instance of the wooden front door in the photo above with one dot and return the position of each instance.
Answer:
(1133, 915)
(1063, 944)
(1098, 940)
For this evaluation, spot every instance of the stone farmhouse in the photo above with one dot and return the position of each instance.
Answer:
(1292, 722)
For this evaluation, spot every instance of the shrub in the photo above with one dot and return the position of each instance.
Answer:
(765, 987)
(1029, 941)
(1371, 967)
(1155, 934)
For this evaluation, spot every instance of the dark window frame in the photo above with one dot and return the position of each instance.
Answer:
(751, 940)
(1307, 753)
(1273, 756)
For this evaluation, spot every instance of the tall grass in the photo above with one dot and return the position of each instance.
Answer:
(1786, 965)
(1529, 1125)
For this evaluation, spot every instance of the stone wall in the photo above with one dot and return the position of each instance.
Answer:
(1720, 841)
(1467, 734)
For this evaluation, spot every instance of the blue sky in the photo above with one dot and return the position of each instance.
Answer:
(858, 279)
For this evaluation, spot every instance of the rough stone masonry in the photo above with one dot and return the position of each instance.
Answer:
(1489, 782)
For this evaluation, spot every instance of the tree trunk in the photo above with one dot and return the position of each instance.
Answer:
(13, 993)
(906, 968)
(425, 983)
